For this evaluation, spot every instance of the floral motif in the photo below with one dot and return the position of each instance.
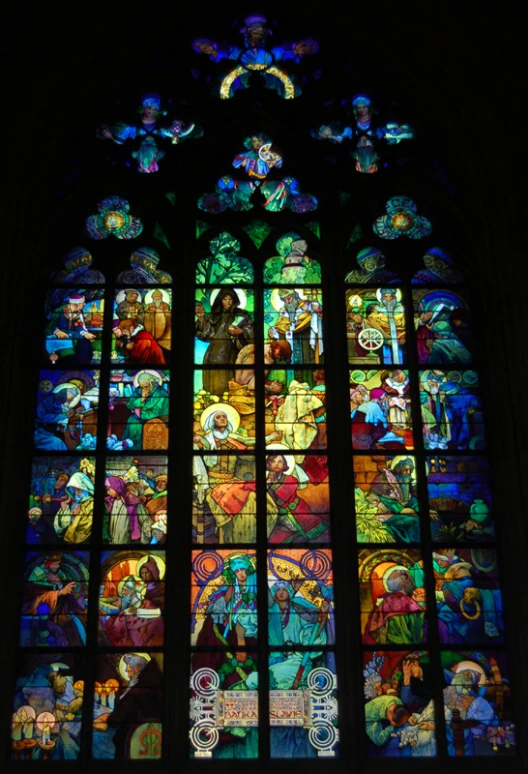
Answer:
(78, 269)
(402, 219)
(113, 218)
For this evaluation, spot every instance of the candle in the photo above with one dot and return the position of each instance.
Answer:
(112, 686)
(28, 728)
(16, 733)
(46, 734)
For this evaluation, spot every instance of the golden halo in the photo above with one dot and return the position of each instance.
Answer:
(121, 667)
(159, 561)
(402, 221)
(397, 292)
(45, 719)
(113, 220)
(355, 300)
(120, 296)
(164, 296)
(289, 88)
(277, 302)
(142, 590)
(290, 459)
(389, 571)
(233, 417)
(30, 712)
(242, 296)
(474, 667)
(225, 86)
(155, 374)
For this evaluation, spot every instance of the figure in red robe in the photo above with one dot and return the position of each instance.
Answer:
(137, 345)
(296, 523)
(135, 618)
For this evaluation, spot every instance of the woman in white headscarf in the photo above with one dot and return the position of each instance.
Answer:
(73, 521)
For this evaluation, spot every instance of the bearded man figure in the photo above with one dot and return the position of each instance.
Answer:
(158, 319)
(399, 618)
(300, 324)
(134, 618)
(139, 702)
(149, 401)
(67, 337)
(131, 307)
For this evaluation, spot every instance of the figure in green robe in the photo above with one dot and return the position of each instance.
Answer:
(149, 401)
(382, 715)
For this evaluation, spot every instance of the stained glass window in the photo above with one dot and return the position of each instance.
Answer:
(116, 480)
(262, 610)
(256, 55)
(422, 505)
(260, 495)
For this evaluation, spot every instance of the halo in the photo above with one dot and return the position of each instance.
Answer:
(230, 411)
(30, 712)
(456, 376)
(45, 385)
(46, 719)
(225, 86)
(389, 571)
(358, 376)
(155, 374)
(397, 292)
(290, 459)
(121, 666)
(474, 667)
(484, 559)
(120, 295)
(289, 88)
(277, 302)
(164, 296)
(355, 300)
(159, 561)
(69, 386)
(266, 146)
(470, 377)
(242, 296)
(121, 584)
